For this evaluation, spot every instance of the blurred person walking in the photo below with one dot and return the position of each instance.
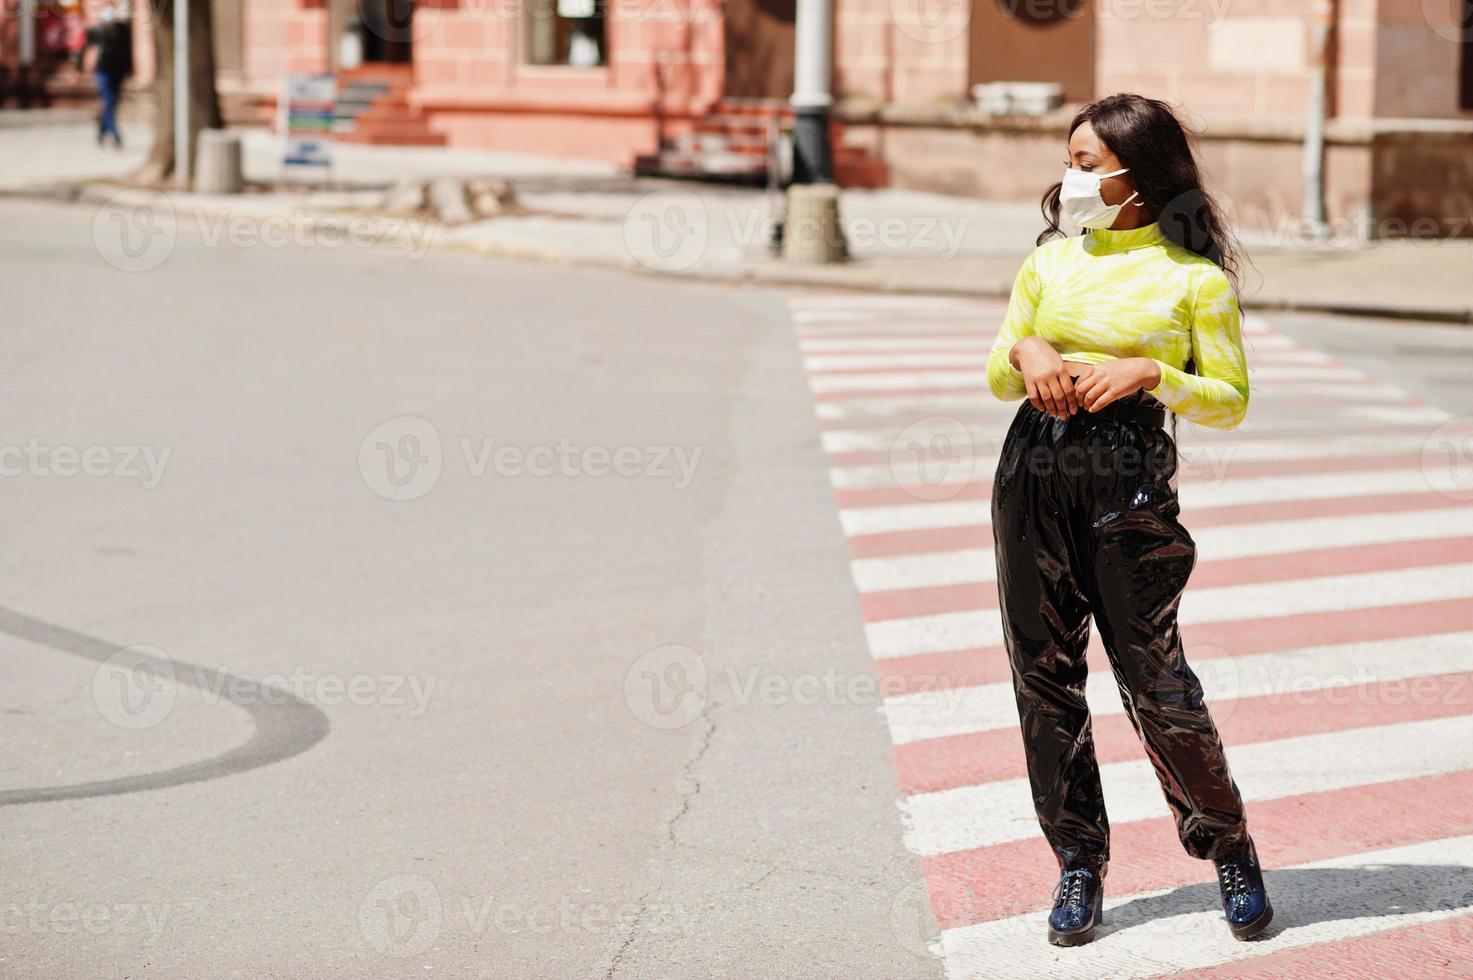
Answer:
(1104, 332)
(110, 46)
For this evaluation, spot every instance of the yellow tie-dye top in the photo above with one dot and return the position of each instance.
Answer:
(1134, 293)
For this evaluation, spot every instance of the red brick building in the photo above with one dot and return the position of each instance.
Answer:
(614, 78)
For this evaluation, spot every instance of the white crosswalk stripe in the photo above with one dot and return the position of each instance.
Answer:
(1164, 931)
(1002, 811)
(1294, 675)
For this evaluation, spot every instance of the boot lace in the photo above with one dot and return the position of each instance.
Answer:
(1070, 889)
(1230, 873)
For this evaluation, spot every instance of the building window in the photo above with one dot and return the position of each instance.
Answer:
(1465, 58)
(566, 32)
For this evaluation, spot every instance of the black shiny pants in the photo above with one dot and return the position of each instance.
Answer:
(1084, 521)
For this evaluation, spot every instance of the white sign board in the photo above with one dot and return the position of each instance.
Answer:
(304, 120)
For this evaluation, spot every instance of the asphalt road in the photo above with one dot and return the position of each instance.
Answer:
(376, 613)
(380, 615)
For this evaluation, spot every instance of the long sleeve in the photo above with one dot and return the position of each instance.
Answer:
(1005, 380)
(1217, 395)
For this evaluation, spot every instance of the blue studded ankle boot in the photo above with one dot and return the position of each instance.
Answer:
(1244, 900)
(1079, 906)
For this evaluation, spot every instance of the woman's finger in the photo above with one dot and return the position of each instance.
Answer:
(1110, 394)
(1071, 399)
(1056, 398)
(1084, 388)
(1033, 396)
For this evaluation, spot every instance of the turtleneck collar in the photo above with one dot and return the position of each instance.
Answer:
(1110, 240)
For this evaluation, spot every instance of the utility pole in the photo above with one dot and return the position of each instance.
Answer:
(813, 157)
(27, 32)
(811, 229)
(181, 94)
(1313, 165)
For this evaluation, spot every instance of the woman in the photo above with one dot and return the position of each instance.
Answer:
(1104, 332)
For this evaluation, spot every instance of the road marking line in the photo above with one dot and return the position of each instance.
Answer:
(963, 711)
(999, 812)
(983, 628)
(1175, 929)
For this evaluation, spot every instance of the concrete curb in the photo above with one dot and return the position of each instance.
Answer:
(855, 276)
(859, 279)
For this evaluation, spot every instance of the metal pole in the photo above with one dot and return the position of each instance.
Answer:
(334, 36)
(27, 32)
(1313, 169)
(181, 94)
(812, 70)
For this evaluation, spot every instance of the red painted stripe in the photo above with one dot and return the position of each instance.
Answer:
(969, 344)
(1286, 510)
(1206, 445)
(969, 760)
(1432, 949)
(849, 372)
(960, 336)
(894, 543)
(980, 487)
(962, 668)
(848, 393)
(880, 606)
(1011, 879)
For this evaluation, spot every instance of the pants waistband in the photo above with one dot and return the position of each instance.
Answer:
(1140, 409)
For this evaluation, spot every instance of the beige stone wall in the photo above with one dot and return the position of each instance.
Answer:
(1417, 44)
(1235, 57)
(281, 37)
(901, 50)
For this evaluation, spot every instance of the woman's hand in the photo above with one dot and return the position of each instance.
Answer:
(1050, 387)
(1112, 380)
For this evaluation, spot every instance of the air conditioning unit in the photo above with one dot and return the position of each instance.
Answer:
(1018, 98)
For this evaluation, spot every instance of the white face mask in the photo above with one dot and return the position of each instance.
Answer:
(1080, 200)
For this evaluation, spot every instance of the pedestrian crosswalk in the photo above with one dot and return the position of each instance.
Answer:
(1330, 617)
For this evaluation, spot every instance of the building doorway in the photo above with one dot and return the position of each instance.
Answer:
(387, 33)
